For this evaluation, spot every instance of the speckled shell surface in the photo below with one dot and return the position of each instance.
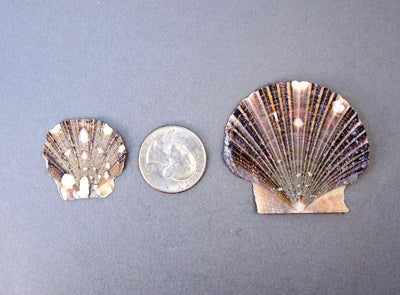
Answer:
(84, 157)
(299, 144)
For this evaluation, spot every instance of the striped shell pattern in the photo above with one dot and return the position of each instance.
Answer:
(84, 157)
(300, 144)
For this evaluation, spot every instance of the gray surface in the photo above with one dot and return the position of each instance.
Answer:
(141, 65)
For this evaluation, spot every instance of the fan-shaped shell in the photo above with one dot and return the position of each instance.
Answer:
(84, 157)
(300, 144)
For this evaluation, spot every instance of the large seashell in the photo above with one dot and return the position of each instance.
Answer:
(84, 157)
(300, 144)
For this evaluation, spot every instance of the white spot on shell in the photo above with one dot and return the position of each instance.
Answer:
(83, 136)
(107, 166)
(84, 155)
(106, 175)
(85, 168)
(64, 193)
(298, 122)
(67, 152)
(275, 116)
(298, 174)
(121, 148)
(338, 105)
(299, 86)
(100, 150)
(83, 188)
(107, 129)
(299, 206)
(280, 189)
(309, 173)
(67, 180)
(56, 129)
(105, 188)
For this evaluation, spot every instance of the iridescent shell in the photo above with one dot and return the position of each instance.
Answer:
(299, 144)
(84, 157)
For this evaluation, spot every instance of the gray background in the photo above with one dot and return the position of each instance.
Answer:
(139, 65)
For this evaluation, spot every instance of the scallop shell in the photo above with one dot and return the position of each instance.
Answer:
(299, 144)
(84, 157)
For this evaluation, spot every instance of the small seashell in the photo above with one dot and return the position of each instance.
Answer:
(84, 157)
(318, 140)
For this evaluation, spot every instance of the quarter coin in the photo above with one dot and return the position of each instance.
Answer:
(172, 159)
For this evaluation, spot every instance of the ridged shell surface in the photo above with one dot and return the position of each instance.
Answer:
(84, 157)
(300, 144)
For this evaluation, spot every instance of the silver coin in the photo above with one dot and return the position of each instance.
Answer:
(172, 159)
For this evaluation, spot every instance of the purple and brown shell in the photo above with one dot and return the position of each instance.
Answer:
(84, 157)
(300, 144)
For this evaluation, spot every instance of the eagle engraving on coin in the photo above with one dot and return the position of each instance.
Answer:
(174, 158)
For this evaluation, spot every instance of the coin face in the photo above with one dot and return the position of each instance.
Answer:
(172, 159)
